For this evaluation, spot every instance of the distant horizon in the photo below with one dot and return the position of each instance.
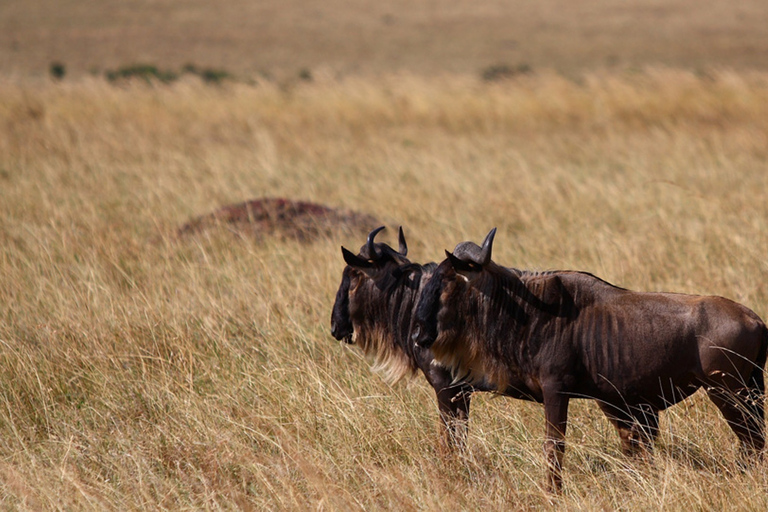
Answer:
(354, 37)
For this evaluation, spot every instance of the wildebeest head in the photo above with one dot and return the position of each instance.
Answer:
(460, 305)
(464, 263)
(375, 304)
(375, 262)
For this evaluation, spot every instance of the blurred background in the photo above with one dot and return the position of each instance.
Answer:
(285, 38)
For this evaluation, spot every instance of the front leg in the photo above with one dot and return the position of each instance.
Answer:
(556, 417)
(453, 404)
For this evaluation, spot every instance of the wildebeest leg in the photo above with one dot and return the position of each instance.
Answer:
(644, 430)
(637, 428)
(646, 426)
(743, 410)
(453, 404)
(556, 417)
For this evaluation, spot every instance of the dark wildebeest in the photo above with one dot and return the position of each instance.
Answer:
(374, 308)
(570, 335)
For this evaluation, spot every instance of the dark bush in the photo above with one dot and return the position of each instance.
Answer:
(503, 72)
(153, 74)
(208, 75)
(214, 76)
(190, 68)
(57, 70)
(305, 75)
(143, 71)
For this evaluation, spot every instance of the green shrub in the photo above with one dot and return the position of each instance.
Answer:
(146, 72)
(305, 75)
(504, 71)
(214, 76)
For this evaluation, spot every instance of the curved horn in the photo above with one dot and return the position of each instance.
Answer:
(485, 252)
(403, 246)
(371, 236)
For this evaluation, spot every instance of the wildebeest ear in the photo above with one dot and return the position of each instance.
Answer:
(355, 261)
(462, 266)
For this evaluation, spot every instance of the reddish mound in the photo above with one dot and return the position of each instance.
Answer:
(282, 217)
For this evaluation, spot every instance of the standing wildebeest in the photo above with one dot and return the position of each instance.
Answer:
(374, 308)
(572, 335)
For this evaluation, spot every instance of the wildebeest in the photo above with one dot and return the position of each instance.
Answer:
(568, 334)
(374, 309)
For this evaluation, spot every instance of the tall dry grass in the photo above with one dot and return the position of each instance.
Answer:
(143, 371)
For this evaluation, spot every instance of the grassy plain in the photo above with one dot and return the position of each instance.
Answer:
(139, 370)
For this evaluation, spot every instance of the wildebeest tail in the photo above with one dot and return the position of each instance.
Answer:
(756, 396)
(757, 379)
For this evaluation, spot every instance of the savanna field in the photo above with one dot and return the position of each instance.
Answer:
(143, 369)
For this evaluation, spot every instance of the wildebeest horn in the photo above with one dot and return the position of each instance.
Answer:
(485, 252)
(403, 246)
(473, 253)
(371, 249)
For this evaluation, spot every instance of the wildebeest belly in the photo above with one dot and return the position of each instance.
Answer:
(660, 393)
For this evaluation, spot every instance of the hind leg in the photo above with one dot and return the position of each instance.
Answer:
(647, 425)
(637, 428)
(743, 409)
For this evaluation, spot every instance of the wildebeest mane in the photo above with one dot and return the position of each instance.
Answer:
(385, 322)
(500, 304)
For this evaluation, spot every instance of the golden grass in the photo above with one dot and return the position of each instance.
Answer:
(140, 371)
